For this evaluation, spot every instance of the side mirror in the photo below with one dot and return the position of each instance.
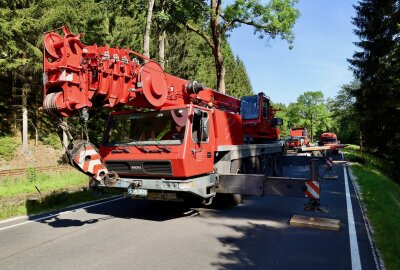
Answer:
(277, 122)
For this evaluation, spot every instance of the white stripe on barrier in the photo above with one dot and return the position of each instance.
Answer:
(85, 153)
(92, 163)
(312, 191)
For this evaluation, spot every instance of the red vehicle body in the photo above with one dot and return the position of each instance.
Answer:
(328, 139)
(178, 138)
(258, 116)
(298, 138)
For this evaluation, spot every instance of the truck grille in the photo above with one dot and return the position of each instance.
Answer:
(118, 167)
(140, 167)
(157, 167)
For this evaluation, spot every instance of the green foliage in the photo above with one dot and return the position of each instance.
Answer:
(273, 19)
(376, 66)
(345, 120)
(237, 81)
(310, 111)
(31, 175)
(7, 147)
(283, 113)
(53, 140)
(188, 57)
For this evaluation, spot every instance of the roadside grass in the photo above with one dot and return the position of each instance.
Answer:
(381, 196)
(18, 196)
(13, 186)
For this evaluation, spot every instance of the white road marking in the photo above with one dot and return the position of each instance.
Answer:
(354, 252)
(60, 213)
(12, 219)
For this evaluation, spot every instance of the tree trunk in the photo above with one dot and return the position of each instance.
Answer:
(146, 42)
(217, 51)
(25, 146)
(161, 48)
(220, 68)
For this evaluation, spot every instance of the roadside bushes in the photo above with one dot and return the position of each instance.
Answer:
(7, 147)
(53, 140)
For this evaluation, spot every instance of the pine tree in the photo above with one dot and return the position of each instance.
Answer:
(376, 66)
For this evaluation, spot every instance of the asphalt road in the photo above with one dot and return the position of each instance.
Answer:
(123, 233)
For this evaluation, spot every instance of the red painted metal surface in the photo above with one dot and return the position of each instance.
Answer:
(77, 76)
(262, 128)
(298, 137)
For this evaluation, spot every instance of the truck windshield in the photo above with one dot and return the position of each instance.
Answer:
(147, 128)
(329, 140)
(249, 107)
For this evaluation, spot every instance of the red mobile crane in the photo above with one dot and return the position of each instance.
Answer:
(298, 138)
(180, 139)
(328, 139)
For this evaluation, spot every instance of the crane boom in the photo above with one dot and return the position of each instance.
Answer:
(78, 76)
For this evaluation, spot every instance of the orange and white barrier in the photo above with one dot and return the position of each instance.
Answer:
(329, 164)
(313, 190)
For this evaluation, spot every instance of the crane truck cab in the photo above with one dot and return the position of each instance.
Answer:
(178, 142)
(328, 139)
(259, 120)
(298, 138)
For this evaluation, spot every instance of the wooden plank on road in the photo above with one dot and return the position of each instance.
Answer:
(317, 223)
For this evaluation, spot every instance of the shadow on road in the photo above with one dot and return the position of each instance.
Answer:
(57, 222)
(124, 208)
(246, 251)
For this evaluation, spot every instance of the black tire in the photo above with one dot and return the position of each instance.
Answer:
(237, 166)
(278, 165)
(269, 166)
(236, 199)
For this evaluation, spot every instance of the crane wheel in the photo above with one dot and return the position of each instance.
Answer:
(237, 166)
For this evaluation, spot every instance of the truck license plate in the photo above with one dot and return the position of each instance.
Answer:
(139, 192)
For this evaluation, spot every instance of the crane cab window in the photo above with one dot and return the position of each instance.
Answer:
(249, 107)
(166, 127)
(200, 126)
(265, 108)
